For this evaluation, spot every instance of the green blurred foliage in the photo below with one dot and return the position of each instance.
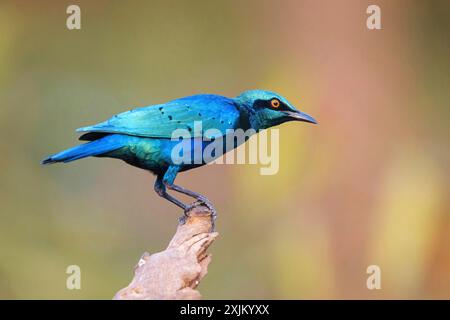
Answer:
(368, 185)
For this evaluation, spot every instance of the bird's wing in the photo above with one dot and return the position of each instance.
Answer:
(159, 121)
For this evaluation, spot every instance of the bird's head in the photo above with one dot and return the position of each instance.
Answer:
(267, 109)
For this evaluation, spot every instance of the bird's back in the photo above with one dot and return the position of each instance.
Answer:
(160, 121)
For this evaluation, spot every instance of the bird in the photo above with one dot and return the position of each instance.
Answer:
(143, 137)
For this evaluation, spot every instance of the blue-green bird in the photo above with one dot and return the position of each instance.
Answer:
(143, 137)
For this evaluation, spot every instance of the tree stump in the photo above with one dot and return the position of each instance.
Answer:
(175, 272)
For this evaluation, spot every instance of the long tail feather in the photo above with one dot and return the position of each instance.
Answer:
(94, 148)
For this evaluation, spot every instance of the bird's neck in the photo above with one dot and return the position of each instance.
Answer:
(245, 117)
(248, 119)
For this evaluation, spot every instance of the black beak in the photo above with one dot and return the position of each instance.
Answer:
(300, 116)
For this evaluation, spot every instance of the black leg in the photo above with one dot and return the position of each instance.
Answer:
(160, 189)
(187, 192)
(198, 197)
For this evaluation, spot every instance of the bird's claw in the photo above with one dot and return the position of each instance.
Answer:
(182, 219)
(187, 208)
(211, 208)
(200, 201)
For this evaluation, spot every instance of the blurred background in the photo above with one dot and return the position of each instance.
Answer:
(367, 186)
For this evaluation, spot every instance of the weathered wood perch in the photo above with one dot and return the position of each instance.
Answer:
(175, 272)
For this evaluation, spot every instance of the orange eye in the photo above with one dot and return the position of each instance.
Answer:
(275, 103)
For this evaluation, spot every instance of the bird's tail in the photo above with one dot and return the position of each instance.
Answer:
(93, 148)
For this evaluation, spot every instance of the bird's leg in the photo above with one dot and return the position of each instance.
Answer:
(200, 198)
(160, 189)
(168, 182)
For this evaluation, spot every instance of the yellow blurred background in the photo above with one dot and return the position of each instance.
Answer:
(367, 186)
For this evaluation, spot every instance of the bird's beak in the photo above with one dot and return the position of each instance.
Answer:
(300, 116)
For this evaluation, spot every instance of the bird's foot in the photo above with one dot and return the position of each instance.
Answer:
(213, 211)
(213, 215)
(182, 219)
(187, 209)
(201, 201)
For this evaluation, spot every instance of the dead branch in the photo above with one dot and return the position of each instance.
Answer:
(175, 272)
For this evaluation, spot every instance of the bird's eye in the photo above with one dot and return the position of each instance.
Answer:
(275, 103)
